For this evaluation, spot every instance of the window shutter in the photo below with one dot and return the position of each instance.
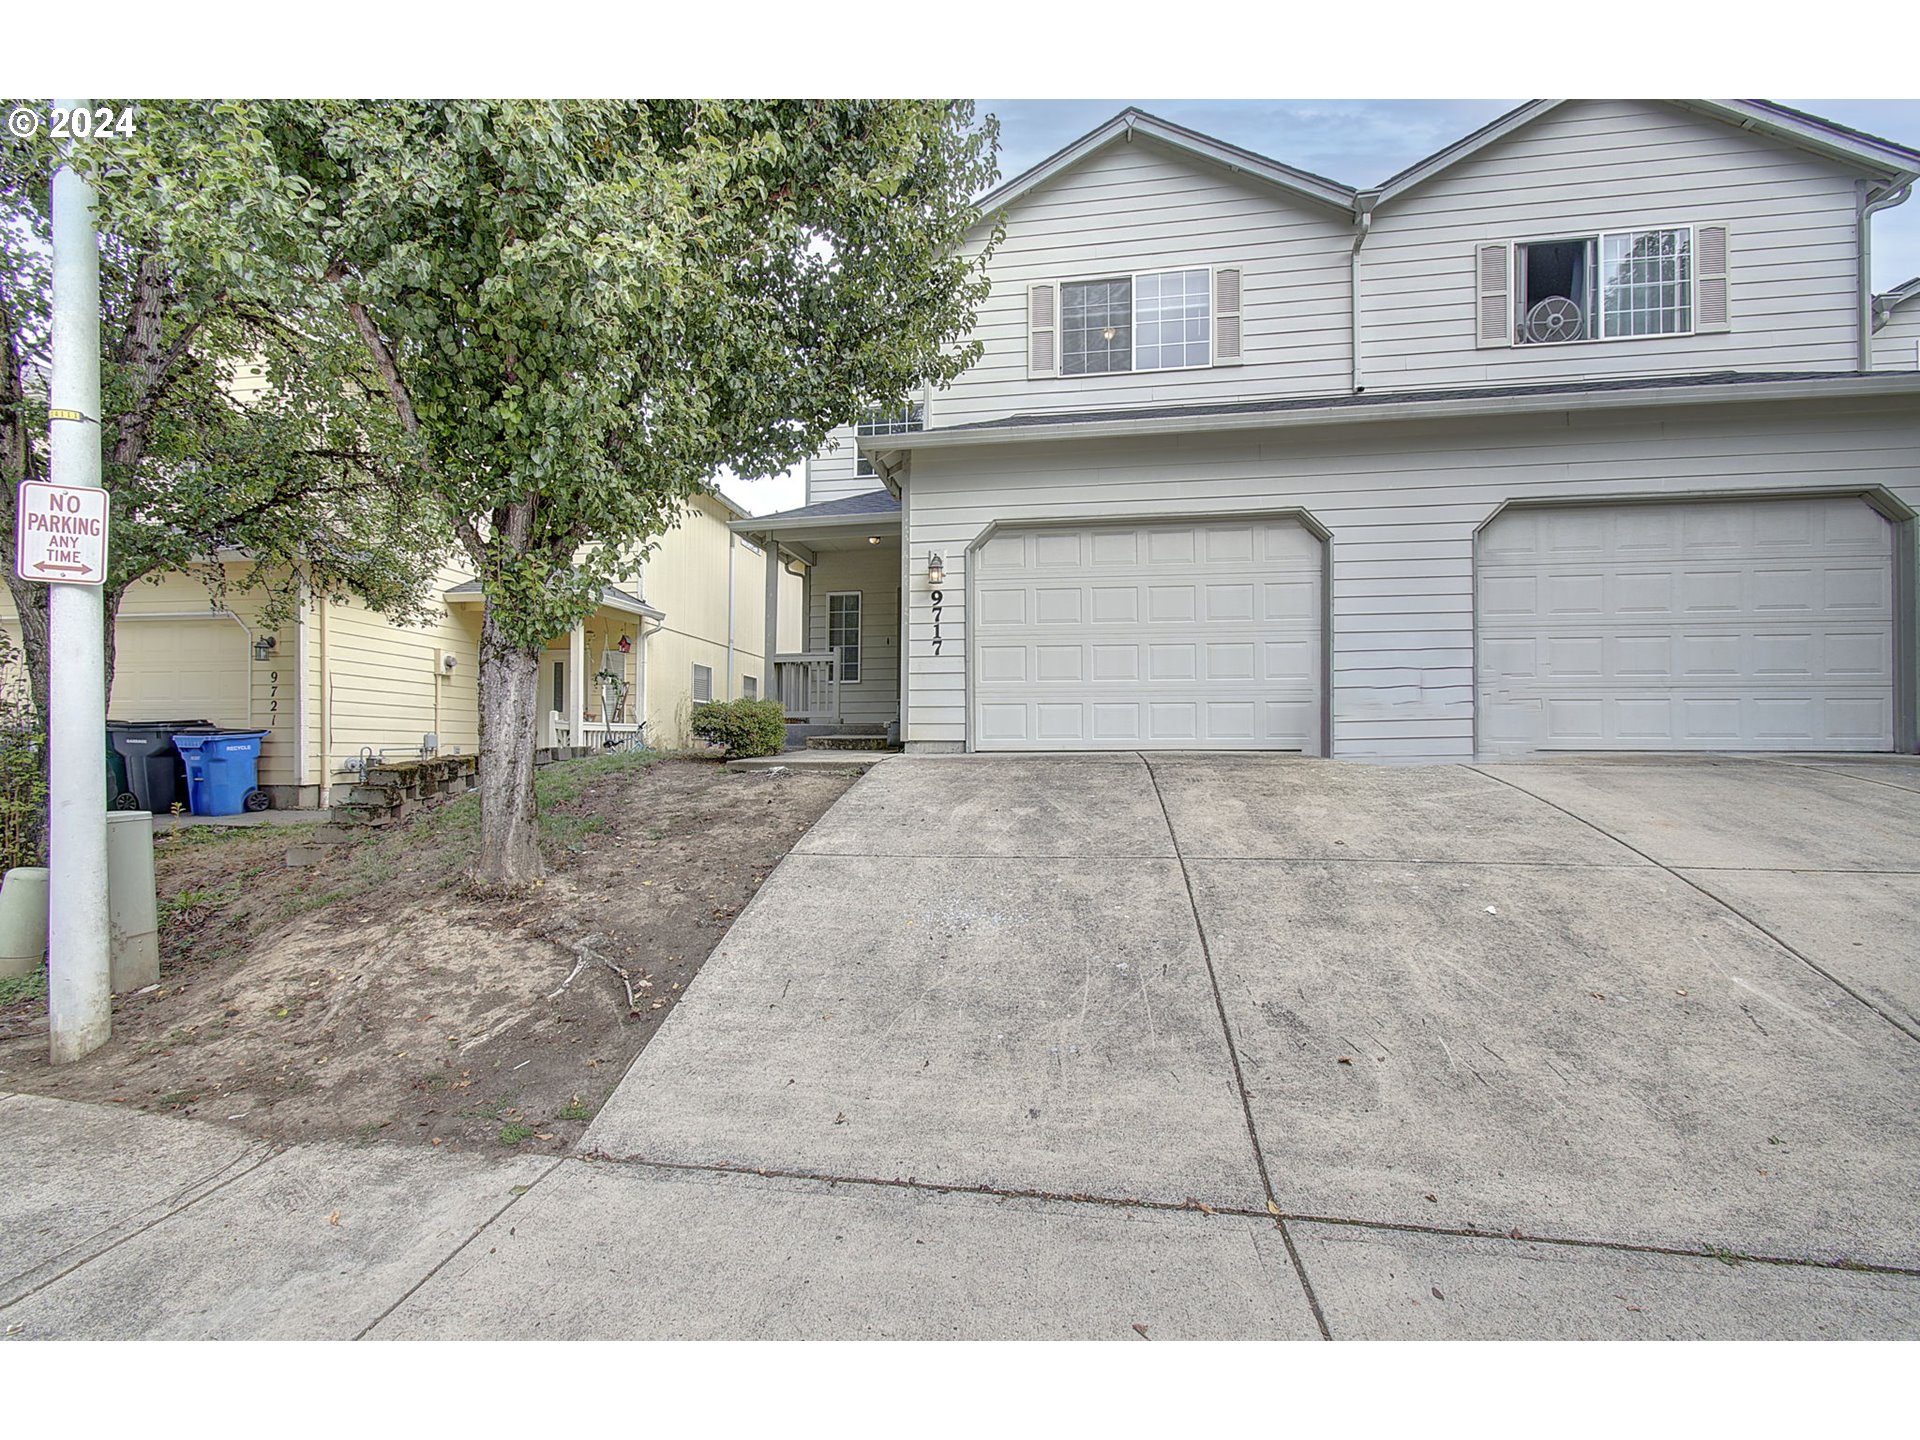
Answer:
(1710, 311)
(1043, 355)
(1493, 289)
(1226, 316)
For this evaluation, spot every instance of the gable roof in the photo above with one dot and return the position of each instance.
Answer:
(1131, 122)
(1893, 164)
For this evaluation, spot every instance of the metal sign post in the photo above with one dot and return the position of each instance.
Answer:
(62, 541)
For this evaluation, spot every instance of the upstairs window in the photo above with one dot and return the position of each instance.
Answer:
(896, 422)
(1609, 286)
(1161, 320)
(1152, 320)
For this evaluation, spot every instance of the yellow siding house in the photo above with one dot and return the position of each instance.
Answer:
(339, 683)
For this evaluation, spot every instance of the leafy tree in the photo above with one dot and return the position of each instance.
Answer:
(228, 412)
(580, 311)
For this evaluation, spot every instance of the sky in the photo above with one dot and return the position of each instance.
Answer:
(1360, 143)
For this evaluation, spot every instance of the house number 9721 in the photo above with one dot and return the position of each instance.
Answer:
(938, 597)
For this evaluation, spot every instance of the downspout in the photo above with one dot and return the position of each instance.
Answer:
(1362, 227)
(733, 548)
(301, 689)
(326, 709)
(1895, 192)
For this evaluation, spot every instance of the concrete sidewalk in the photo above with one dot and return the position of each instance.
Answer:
(126, 1226)
(1194, 1047)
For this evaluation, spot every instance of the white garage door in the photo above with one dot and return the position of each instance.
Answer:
(1170, 636)
(173, 669)
(1759, 624)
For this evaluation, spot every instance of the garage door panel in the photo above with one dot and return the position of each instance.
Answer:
(170, 669)
(1715, 625)
(1184, 636)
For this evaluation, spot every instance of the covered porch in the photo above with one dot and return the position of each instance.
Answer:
(593, 678)
(845, 678)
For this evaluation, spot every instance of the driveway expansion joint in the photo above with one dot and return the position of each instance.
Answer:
(1719, 900)
(1233, 1054)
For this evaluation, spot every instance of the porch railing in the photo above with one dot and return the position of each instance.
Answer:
(555, 732)
(808, 686)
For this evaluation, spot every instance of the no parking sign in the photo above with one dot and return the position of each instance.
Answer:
(61, 534)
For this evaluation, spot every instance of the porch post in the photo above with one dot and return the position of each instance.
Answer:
(773, 607)
(577, 682)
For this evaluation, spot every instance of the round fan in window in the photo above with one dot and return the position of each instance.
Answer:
(1554, 318)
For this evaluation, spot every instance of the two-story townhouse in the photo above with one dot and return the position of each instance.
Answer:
(1584, 433)
(336, 682)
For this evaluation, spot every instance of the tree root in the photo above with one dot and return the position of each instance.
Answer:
(586, 952)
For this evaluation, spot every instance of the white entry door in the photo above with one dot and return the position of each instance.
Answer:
(1172, 635)
(1713, 625)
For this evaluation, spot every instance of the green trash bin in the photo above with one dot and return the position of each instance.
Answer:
(119, 797)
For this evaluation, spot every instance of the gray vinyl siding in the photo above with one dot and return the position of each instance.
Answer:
(875, 573)
(1616, 165)
(1402, 503)
(1896, 344)
(1138, 206)
(830, 474)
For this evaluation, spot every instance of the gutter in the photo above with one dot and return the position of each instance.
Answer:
(870, 521)
(1884, 383)
(1895, 192)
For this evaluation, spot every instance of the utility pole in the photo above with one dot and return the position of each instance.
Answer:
(79, 1000)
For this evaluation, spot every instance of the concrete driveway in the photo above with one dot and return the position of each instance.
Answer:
(1178, 1047)
(1268, 1046)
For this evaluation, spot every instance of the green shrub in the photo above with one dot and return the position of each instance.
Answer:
(745, 727)
(23, 776)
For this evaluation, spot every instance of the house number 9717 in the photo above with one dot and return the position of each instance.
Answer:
(938, 597)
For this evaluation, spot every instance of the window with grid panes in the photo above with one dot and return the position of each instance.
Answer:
(843, 633)
(899, 422)
(1161, 320)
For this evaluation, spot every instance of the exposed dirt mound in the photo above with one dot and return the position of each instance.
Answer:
(371, 996)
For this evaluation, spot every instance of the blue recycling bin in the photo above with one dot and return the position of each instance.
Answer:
(223, 771)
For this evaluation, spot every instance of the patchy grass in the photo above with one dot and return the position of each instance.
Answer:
(24, 989)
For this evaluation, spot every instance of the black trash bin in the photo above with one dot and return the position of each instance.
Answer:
(156, 777)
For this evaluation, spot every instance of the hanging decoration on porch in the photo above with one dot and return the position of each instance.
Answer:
(626, 645)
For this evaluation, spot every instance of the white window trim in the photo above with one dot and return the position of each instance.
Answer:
(693, 684)
(860, 631)
(1599, 291)
(1133, 279)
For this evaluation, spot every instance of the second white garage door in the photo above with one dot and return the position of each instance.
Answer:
(1169, 636)
(1718, 625)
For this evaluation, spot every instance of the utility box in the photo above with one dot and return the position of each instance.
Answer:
(133, 916)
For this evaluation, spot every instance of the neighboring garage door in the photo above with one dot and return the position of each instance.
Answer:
(174, 669)
(1754, 624)
(1172, 636)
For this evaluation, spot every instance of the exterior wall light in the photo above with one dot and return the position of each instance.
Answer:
(264, 647)
(873, 539)
(936, 569)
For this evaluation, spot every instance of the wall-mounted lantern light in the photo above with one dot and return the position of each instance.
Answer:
(264, 647)
(936, 569)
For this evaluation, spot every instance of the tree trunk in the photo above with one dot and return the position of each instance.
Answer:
(509, 817)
